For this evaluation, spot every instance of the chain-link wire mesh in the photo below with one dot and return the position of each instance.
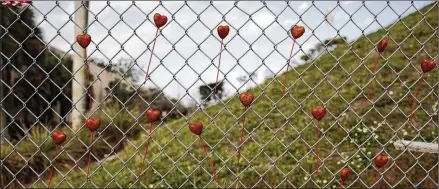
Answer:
(43, 88)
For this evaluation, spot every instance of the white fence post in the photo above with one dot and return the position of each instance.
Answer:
(78, 83)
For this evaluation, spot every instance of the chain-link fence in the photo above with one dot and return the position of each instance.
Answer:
(147, 77)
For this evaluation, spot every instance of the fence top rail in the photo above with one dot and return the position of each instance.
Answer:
(415, 146)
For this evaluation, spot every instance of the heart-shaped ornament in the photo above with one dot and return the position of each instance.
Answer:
(246, 98)
(345, 174)
(93, 124)
(196, 127)
(223, 31)
(7, 3)
(16, 3)
(83, 40)
(297, 31)
(382, 45)
(318, 112)
(160, 20)
(58, 137)
(153, 115)
(427, 65)
(381, 161)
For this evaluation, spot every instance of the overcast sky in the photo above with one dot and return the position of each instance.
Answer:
(247, 17)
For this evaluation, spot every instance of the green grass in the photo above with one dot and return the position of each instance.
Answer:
(280, 131)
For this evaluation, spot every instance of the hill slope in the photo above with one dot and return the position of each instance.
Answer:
(279, 138)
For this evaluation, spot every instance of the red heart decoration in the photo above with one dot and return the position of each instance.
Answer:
(84, 40)
(382, 45)
(381, 161)
(58, 137)
(153, 115)
(345, 174)
(318, 112)
(26, 2)
(427, 65)
(297, 31)
(246, 98)
(196, 127)
(160, 20)
(16, 3)
(7, 3)
(223, 31)
(93, 124)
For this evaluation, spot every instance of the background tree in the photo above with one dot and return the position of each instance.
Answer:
(253, 76)
(29, 72)
(206, 92)
(327, 45)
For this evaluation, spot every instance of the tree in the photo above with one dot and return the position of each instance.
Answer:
(206, 92)
(118, 89)
(246, 79)
(242, 79)
(37, 78)
(327, 45)
(30, 72)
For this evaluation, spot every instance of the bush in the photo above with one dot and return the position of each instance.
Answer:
(118, 123)
(32, 155)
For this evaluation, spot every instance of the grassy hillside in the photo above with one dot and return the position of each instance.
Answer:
(280, 132)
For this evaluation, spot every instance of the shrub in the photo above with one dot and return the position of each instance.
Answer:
(118, 122)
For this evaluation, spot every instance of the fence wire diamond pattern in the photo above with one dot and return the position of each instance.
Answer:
(44, 87)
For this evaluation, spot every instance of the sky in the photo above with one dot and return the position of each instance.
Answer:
(187, 50)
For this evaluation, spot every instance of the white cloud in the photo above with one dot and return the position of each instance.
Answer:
(198, 34)
(348, 2)
(366, 22)
(303, 6)
(264, 19)
(289, 22)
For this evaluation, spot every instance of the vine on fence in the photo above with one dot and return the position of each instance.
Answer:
(380, 48)
(58, 138)
(93, 125)
(223, 31)
(426, 65)
(153, 116)
(296, 32)
(318, 113)
(246, 100)
(197, 128)
(380, 161)
(344, 174)
(84, 41)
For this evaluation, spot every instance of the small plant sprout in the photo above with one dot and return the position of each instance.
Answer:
(93, 125)
(296, 32)
(344, 174)
(380, 48)
(246, 100)
(318, 113)
(196, 127)
(152, 115)
(84, 41)
(58, 138)
(223, 31)
(159, 21)
(426, 66)
(380, 161)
